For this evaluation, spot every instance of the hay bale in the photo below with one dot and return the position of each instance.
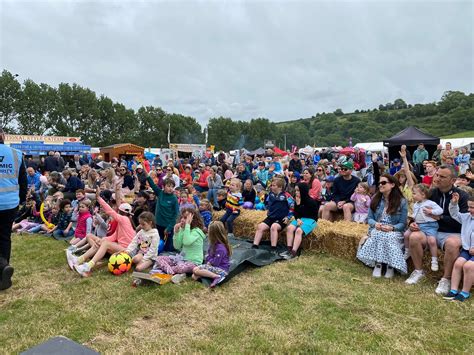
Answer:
(339, 238)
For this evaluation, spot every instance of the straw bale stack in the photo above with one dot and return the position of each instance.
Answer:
(339, 238)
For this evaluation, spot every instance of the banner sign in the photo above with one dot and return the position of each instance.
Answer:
(18, 138)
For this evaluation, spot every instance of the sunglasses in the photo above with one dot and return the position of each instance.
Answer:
(343, 169)
(169, 170)
(383, 183)
(319, 170)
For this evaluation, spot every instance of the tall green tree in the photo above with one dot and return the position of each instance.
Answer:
(10, 91)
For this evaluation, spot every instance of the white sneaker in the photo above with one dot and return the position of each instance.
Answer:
(443, 287)
(389, 272)
(72, 248)
(71, 259)
(84, 269)
(415, 277)
(377, 271)
(177, 278)
(434, 265)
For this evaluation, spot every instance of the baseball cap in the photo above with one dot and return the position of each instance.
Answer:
(396, 160)
(329, 178)
(202, 165)
(347, 165)
(125, 207)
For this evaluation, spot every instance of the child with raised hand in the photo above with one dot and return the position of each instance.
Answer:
(232, 206)
(277, 215)
(429, 226)
(188, 240)
(116, 242)
(218, 256)
(166, 210)
(361, 199)
(144, 247)
(465, 262)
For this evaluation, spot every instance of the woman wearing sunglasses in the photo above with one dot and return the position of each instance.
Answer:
(387, 220)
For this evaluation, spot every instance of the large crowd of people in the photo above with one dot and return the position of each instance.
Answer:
(412, 203)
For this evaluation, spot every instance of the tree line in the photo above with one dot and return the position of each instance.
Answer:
(72, 110)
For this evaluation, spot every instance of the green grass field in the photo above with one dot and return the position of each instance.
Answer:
(465, 134)
(316, 303)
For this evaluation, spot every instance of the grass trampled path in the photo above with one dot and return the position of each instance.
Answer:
(314, 303)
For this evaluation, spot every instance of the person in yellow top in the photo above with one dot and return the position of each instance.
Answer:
(406, 179)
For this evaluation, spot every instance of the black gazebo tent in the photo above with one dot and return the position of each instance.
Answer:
(410, 137)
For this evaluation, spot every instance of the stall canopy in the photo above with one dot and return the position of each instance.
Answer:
(410, 137)
(308, 150)
(277, 150)
(259, 151)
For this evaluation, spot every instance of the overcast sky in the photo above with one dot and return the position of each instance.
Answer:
(244, 59)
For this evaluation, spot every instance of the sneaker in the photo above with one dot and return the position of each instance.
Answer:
(285, 253)
(415, 277)
(216, 281)
(443, 287)
(6, 277)
(377, 271)
(460, 297)
(389, 273)
(434, 265)
(84, 269)
(450, 296)
(177, 278)
(290, 256)
(71, 259)
(407, 254)
(72, 249)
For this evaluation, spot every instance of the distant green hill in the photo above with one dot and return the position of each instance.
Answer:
(452, 116)
(464, 134)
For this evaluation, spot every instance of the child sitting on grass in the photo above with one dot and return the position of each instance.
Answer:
(143, 249)
(218, 256)
(465, 262)
(189, 240)
(84, 224)
(99, 247)
(63, 228)
(277, 215)
(232, 206)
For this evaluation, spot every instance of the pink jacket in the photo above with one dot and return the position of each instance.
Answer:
(124, 233)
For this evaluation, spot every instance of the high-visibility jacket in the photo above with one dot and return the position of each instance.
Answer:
(10, 163)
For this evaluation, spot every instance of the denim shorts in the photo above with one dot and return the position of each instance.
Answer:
(465, 255)
(442, 236)
(429, 228)
(307, 226)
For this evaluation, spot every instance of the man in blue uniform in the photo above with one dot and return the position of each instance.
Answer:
(13, 188)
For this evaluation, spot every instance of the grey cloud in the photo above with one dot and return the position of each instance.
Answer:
(279, 60)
